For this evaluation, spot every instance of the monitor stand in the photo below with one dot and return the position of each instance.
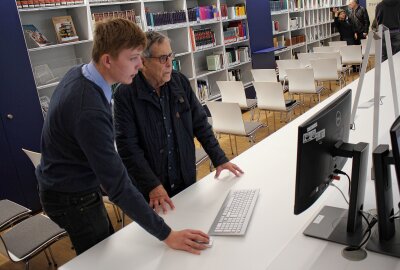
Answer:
(385, 239)
(341, 225)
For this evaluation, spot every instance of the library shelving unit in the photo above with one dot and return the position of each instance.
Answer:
(300, 25)
(178, 19)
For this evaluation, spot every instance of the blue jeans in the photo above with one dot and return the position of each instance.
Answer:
(82, 215)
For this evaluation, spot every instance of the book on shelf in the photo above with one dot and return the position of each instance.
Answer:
(234, 74)
(202, 90)
(176, 64)
(203, 13)
(65, 30)
(126, 14)
(224, 11)
(34, 37)
(21, 4)
(215, 61)
(238, 10)
(202, 38)
(243, 53)
(155, 19)
(278, 5)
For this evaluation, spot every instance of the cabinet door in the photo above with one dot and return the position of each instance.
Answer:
(21, 116)
(9, 181)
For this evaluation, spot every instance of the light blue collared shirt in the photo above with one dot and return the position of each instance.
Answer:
(91, 73)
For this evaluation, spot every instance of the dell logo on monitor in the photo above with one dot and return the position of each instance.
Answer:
(338, 118)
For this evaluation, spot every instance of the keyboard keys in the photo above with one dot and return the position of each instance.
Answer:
(234, 214)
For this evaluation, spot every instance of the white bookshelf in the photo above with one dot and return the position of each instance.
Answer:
(315, 22)
(193, 62)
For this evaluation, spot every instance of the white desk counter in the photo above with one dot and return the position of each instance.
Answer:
(274, 237)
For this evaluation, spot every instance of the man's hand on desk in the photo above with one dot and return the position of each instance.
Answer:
(159, 199)
(228, 166)
(187, 240)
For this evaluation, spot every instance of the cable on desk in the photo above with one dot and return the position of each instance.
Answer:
(369, 224)
(336, 171)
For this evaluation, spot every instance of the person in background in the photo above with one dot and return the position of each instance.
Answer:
(387, 13)
(344, 26)
(156, 120)
(360, 20)
(78, 153)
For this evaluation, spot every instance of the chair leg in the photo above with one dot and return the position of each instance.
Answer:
(230, 142)
(116, 212)
(123, 219)
(47, 257)
(52, 257)
(237, 153)
(27, 265)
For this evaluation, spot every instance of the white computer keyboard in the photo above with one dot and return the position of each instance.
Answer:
(234, 214)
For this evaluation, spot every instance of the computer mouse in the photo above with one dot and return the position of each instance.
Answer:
(209, 244)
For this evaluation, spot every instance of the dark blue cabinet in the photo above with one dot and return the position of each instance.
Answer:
(20, 114)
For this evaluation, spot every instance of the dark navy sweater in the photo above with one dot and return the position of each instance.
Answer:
(78, 152)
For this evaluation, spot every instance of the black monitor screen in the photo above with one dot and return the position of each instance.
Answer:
(395, 138)
(316, 142)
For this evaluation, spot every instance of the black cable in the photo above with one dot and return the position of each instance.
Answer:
(370, 225)
(337, 171)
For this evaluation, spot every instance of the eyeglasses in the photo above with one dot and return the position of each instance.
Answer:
(164, 58)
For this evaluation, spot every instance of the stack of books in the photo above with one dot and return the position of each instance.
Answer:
(126, 14)
(46, 3)
(203, 13)
(202, 38)
(235, 31)
(155, 19)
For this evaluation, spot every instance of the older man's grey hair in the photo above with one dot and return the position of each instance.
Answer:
(153, 38)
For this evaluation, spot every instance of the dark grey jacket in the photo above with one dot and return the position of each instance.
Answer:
(141, 138)
(78, 152)
(360, 20)
(387, 13)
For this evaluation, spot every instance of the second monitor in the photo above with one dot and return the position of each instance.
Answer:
(322, 151)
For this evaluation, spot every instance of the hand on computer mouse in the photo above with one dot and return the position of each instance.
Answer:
(187, 240)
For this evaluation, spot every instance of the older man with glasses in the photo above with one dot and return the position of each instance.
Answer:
(156, 120)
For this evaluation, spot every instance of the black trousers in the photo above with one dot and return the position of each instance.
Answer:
(395, 41)
(82, 215)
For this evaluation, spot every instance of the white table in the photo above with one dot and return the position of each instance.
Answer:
(274, 237)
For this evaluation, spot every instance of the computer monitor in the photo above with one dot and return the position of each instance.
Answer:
(395, 139)
(386, 239)
(323, 148)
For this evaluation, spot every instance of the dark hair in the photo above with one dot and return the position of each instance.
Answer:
(114, 35)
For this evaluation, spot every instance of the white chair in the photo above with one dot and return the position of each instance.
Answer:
(325, 69)
(340, 68)
(337, 43)
(302, 82)
(233, 91)
(351, 55)
(364, 47)
(11, 213)
(35, 159)
(270, 97)
(325, 49)
(33, 156)
(264, 75)
(283, 65)
(227, 119)
(305, 59)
